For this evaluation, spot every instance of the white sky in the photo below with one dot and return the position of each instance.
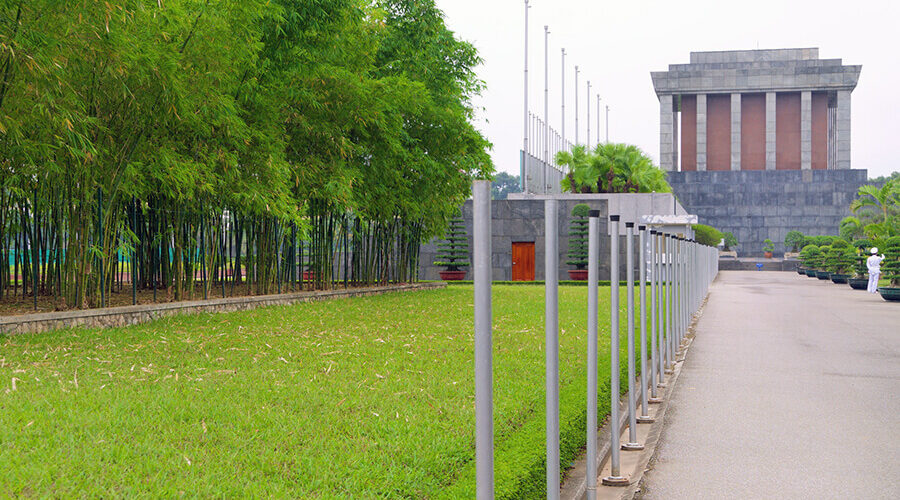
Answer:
(617, 44)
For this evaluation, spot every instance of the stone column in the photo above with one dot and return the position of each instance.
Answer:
(701, 132)
(676, 142)
(805, 130)
(666, 133)
(843, 130)
(770, 131)
(735, 131)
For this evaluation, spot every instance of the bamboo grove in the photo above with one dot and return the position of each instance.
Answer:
(217, 148)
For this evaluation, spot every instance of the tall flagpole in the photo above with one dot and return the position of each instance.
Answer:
(524, 172)
(576, 105)
(546, 106)
(588, 141)
(563, 90)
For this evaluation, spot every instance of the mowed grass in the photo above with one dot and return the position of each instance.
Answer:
(360, 398)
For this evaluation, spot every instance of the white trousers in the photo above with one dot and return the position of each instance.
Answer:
(873, 282)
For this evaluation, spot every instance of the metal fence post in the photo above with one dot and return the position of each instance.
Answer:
(632, 444)
(615, 478)
(551, 348)
(670, 303)
(484, 424)
(593, 304)
(644, 417)
(654, 305)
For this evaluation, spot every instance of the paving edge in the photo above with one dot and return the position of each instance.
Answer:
(131, 315)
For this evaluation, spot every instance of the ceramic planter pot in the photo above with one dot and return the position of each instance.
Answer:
(823, 275)
(801, 270)
(858, 283)
(840, 279)
(890, 294)
(811, 273)
(768, 255)
(452, 275)
(578, 274)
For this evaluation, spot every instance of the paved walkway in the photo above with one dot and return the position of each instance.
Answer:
(791, 389)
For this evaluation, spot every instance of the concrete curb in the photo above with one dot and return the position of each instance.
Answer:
(132, 315)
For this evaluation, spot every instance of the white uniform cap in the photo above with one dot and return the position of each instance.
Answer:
(874, 250)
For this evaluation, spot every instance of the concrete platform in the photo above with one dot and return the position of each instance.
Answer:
(789, 390)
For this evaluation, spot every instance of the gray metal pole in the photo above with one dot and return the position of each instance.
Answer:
(654, 355)
(484, 424)
(593, 304)
(632, 444)
(615, 478)
(551, 348)
(670, 303)
(562, 89)
(598, 118)
(576, 105)
(607, 123)
(525, 144)
(546, 106)
(588, 106)
(660, 307)
(642, 241)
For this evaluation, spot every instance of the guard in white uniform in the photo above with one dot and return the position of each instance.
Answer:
(874, 265)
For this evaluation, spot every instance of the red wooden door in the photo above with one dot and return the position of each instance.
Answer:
(523, 261)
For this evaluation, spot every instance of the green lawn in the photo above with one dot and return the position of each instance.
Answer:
(359, 398)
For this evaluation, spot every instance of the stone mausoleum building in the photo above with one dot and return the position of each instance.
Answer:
(757, 142)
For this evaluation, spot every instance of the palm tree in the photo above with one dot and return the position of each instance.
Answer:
(885, 200)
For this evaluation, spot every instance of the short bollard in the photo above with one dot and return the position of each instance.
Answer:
(615, 477)
(632, 444)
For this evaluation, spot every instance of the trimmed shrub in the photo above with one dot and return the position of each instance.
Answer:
(794, 240)
(839, 258)
(454, 253)
(890, 267)
(707, 235)
(730, 240)
(578, 243)
(810, 256)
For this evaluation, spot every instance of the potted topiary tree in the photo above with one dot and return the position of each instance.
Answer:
(729, 242)
(860, 278)
(890, 270)
(809, 257)
(578, 243)
(793, 241)
(839, 261)
(768, 248)
(453, 254)
(821, 272)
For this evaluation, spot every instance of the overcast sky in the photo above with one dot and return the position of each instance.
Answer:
(617, 44)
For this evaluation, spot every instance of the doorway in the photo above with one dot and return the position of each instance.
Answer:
(523, 261)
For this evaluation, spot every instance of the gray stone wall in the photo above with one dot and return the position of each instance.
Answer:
(132, 315)
(523, 221)
(755, 205)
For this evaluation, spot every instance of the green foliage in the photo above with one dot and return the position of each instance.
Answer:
(578, 241)
(314, 119)
(811, 256)
(503, 184)
(861, 253)
(730, 240)
(611, 168)
(839, 258)
(820, 241)
(707, 235)
(454, 253)
(768, 245)
(890, 267)
(793, 240)
(877, 210)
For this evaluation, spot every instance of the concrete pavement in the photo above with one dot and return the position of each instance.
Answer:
(791, 389)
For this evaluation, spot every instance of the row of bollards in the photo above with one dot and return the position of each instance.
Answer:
(679, 272)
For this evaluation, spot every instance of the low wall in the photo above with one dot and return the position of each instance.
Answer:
(132, 315)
